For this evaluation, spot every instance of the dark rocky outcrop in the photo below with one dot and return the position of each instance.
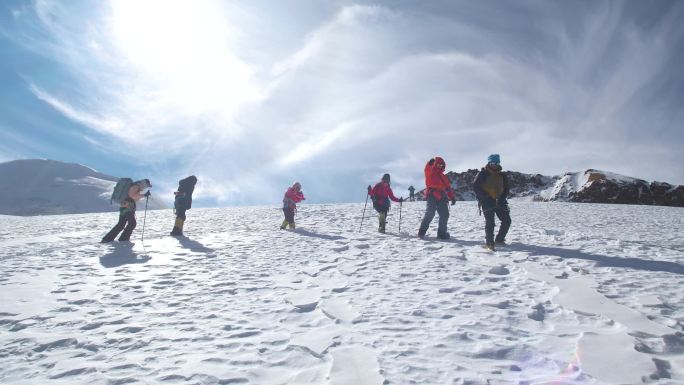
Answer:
(590, 186)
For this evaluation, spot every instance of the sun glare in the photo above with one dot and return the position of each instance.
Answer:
(183, 48)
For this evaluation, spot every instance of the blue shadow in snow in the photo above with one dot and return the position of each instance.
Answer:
(601, 260)
(316, 235)
(122, 254)
(193, 245)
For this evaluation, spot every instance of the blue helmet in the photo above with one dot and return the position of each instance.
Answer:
(494, 158)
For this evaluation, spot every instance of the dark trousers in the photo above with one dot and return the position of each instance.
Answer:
(180, 213)
(127, 220)
(505, 218)
(442, 208)
(289, 214)
(381, 206)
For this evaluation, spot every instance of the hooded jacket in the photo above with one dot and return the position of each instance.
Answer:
(436, 182)
(292, 197)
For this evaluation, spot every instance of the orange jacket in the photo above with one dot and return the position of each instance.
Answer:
(436, 182)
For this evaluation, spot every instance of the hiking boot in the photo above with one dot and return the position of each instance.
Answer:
(443, 235)
(284, 225)
(490, 246)
(381, 229)
(178, 228)
(501, 243)
(421, 233)
(292, 225)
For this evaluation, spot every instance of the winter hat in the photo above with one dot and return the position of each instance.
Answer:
(386, 178)
(494, 158)
(297, 186)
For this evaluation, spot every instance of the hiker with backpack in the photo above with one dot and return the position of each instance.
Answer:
(381, 194)
(126, 193)
(182, 203)
(293, 195)
(491, 189)
(438, 193)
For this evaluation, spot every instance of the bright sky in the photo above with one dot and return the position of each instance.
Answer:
(252, 96)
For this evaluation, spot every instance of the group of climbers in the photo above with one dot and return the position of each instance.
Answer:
(491, 190)
(490, 186)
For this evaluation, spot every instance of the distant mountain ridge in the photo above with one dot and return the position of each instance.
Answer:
(48, 187)
(590, 186)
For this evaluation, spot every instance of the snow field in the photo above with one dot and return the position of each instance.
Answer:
(581, 290)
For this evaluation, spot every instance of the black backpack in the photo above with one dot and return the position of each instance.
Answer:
(184, 196)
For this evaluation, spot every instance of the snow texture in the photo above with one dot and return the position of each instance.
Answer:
(583, 294)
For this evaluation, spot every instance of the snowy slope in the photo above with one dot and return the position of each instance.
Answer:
(585, 294)
(42, 187)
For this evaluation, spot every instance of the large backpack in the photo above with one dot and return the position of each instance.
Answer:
(185, 187)
(121, 190)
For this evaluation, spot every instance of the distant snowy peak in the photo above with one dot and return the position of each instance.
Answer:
(596, 186)
(44, 187)
(590, 186)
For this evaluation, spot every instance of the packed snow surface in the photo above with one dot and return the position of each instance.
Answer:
(584, 294)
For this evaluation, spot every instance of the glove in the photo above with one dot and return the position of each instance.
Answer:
(401, 200)
(453, 201)
(369, 189)
(431, 162)
(148, 193)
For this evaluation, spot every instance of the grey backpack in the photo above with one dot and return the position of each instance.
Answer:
(121, 190)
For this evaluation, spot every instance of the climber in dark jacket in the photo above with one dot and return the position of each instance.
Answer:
(183, 202)
(491, 189)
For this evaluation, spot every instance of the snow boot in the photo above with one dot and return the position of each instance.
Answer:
(177, 228)
(284, 225)
(443, 235)
(490, 246)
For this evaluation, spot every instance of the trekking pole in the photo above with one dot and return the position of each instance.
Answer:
(364, 212)
(400, 205)
(142, 238)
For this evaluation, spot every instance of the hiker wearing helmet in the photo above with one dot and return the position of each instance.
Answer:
(491, 189)
(293, 196)
(127, 212)
(381, 194)
(438, 193)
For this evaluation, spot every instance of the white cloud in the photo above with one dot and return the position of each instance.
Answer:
(372, 89)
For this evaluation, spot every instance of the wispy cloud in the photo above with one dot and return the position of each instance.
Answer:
(371, 89)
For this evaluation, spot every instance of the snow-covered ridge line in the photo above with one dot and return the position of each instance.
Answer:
(590, 186)
(49, 187)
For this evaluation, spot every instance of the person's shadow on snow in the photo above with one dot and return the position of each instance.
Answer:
(193, 245)
(601, 260)
(122, 254)
(316, 235)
